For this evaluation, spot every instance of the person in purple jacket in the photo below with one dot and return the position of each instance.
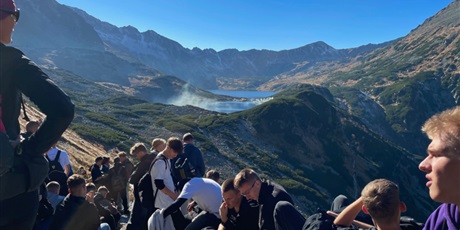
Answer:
(442, 168)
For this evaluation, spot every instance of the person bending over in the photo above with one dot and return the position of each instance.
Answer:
(207, 194)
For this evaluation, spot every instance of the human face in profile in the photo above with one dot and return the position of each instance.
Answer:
(250, 190)
(232, 198)
(442, 168)
(7, 26)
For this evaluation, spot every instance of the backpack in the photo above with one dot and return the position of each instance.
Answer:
(21, 166)
(182, 168)
(408, 223)
(319, 221)
(117, 180)
(56, 173)
(54, 164)
(145, 187)
(45, 209)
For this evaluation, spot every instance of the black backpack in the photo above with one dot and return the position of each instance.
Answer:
(182, 168)
(408, 223)
(319, 221)
(21, 166)
(56, 173)
(145, 187)
(54, 164)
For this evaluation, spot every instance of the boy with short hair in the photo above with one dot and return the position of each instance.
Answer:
(379, 199)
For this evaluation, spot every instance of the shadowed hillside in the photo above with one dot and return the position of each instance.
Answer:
(315, 149)
(299, 139)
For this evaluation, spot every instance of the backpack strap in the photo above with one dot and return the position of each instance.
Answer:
(58, 154)
(159, 157)
(26, 118)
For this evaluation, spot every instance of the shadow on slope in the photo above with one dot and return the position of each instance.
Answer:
(316, 150)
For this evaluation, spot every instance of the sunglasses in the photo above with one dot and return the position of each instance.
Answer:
(14, 13)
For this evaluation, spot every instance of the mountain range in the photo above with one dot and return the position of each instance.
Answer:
(341, 117)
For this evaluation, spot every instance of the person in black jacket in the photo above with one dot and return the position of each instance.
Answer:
(138, 218)
(19, 75)
(266, 193)
(77, 211)
(236, 212)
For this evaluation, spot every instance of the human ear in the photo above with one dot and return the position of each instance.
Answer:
(402, 207)
(364, 210)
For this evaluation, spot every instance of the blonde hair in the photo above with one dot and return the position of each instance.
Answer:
(157, 142)
(446, 126)
(381, 199)
(138, 147)
(121, 154)
(246, 175)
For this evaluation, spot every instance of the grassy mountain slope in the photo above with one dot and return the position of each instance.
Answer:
(300, 139)
(315, 149)
(396, 88)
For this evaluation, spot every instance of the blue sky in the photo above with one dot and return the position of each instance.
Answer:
(266, 24)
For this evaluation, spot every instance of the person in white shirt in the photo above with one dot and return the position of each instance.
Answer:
(63, 158)
(208, 196)
(161, 174)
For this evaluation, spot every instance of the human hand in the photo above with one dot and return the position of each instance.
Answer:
(190, 206)
(223, 211)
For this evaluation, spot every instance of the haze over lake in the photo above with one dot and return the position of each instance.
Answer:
(255, 98)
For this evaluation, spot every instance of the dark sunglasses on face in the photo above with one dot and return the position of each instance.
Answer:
(14, 13)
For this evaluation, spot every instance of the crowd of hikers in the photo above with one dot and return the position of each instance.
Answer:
(171, 190)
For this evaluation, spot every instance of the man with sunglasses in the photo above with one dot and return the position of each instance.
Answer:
(28, 168)
(267, 194)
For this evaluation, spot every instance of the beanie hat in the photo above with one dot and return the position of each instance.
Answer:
(6, 5)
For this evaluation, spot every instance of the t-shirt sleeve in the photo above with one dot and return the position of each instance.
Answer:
(187, 192)
(64, 158)
(158, 171)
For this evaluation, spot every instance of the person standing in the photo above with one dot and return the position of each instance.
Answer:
(138, 218)
(158, 145)
(19, 75)
(129, 167)
(161, 174)
(194, 155)
(63, 158)
(96, 173)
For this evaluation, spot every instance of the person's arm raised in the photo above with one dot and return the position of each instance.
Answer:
(356, 223)
(346, 217)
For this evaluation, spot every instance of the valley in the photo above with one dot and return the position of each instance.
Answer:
(338, 119)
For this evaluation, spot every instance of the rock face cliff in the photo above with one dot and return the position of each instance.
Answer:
(100, 45)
